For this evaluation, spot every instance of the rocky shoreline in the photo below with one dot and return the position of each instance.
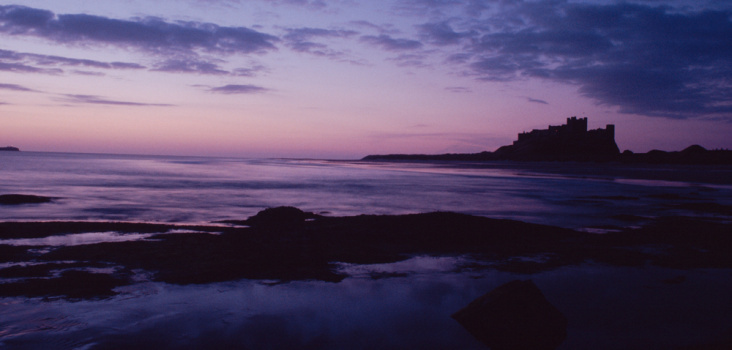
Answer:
(694, 154)
(286, 244)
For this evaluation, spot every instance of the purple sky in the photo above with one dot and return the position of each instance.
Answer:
(347, 78)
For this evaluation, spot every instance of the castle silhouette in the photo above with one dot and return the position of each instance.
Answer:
(568, 140)
(573, 142)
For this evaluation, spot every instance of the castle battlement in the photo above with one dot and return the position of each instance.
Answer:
(568, 139)
(575, 128)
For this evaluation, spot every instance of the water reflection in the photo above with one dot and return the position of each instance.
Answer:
(77, 239)
(415, 265)
(607, 308)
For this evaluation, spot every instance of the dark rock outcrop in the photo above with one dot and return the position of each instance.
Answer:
(10, 148)
(279, 217)
(305, 249)
(514, 316)
(73, 284)
(15, 199)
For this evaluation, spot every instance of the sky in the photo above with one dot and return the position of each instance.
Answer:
(341, 79)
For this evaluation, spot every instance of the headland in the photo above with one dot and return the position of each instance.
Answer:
(10, 148)
(572, 142)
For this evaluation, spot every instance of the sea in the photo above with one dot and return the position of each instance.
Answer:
(409, 310)
(198, 190)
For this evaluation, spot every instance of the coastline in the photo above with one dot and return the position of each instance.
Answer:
(573, 142)
(692, 155)
(611, 233)
(289, 245)
(651, 274)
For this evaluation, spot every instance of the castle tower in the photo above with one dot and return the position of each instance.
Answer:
(577, 125)
(610, 131)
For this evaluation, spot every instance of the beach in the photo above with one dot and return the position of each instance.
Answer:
(132, 251)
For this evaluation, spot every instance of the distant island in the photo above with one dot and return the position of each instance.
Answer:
(571, 142)
(10, 148)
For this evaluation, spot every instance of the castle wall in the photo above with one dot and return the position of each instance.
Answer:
(569, 138)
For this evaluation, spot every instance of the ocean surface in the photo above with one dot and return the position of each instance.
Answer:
(201, 190)
(609, 307)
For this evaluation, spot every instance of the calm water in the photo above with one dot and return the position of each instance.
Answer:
(608, 307)
(196, 190)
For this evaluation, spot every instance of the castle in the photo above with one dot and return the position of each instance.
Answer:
(568, 140)
(572, 142)
(574, 128)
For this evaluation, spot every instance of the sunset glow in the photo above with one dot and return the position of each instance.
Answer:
(343, 79)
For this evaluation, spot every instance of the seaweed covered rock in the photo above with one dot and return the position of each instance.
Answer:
(515, 315)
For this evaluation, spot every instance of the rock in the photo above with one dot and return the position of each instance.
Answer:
(14, 199)
(279, 217)
(515, 315)
(694, 149)
(73, 284)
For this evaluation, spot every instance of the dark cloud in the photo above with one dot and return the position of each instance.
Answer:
(151, 34)
(126, 65)
(46, 60)
(442, 33)
(310, 4)
(459, 58)
(14, 87)
(91, 99)
(63, 61)
(411, 60)
(458, 89)
(249, 72)
(302, 40)
(441, 8)
(180, 44)
(23, 68)
(388, 43)
(305, 34)
(646, 60)
(504, 67)
(423, 7)
(381, 29)
(33, 63)
(189, 66)
(10, 55)
(535, 100)
(85, 72)
(315, 4)
(238, 89)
